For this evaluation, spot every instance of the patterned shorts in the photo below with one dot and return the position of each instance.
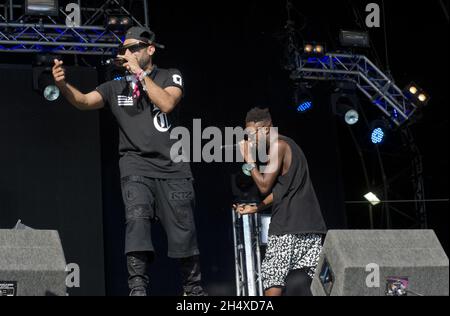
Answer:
(287, 253)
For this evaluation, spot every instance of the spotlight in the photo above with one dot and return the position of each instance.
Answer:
(378, 132)
(345, 102)
(314, 50)
(51, 93)
(416, 94)
(319, 49)
(413, 90)
(118, 23)
(43, 83)
(422, 98)
(303, 99)
(41, 7)
(354, 39)
(378, 135)
(126, 22)
(112, 21)
(372, 198)
(309, 48)
(350, 115)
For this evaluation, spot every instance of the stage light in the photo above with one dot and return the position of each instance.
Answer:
(44, 84)
(354, 39)
(303, 99)
(351, 117)
(319, 49)
(51, 93)
(422, 98)
(126, 21)
(113, 21)
(41, 7)
(347, 112)
(378, 131)
(345, 102)
(413, 90)
(118, 23)
(417, 95)
(309, 48)
(372, 198)
(304, 106)
(314, 49)
(378, 135)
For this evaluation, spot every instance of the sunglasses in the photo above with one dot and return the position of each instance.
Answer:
(133, 48)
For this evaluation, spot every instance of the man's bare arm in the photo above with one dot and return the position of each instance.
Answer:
(84, 102)
(90, 101)
(264, 205)
(266, 181)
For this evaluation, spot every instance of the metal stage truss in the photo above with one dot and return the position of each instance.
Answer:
(50, 35)
(376, 85)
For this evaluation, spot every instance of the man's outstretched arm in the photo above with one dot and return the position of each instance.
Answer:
(85, 102)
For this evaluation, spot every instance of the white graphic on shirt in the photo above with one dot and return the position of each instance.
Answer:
(125, 101)
(177, 79)
(161, 121)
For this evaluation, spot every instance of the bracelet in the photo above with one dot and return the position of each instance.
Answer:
(248, 168)
(141, 75)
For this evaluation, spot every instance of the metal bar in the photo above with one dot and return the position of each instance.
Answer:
(249, 259)
(4, 35)
(20, 34)
(257, 220)
(146, 13)
(101, 9)
(80, 36)
(384, 96)
(344, 72)
(11, 13)
(99, 45)
(41, 35)
(52, 26)
(236, 258)
(62, 52)
(16, 6)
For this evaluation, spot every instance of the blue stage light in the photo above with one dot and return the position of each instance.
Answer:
(378, 136)
(304, 106)
(303, 98)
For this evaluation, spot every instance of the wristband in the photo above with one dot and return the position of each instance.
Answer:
(248, 168)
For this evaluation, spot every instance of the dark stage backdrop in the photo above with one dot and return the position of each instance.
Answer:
(50, 170)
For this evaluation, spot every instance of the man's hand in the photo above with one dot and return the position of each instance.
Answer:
(59, 74)
(245, 209)
(132, 64)
(247, 149)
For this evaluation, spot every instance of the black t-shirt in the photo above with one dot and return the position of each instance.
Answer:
(144, 130)
(295, 208)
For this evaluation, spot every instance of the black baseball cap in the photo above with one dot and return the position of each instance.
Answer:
(143, 34)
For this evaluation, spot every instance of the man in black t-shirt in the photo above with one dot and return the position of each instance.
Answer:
(297, 225)
(154, 188)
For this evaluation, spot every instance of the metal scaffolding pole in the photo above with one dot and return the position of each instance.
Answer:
(247, 249)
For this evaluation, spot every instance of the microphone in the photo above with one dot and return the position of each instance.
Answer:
(117, 62)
